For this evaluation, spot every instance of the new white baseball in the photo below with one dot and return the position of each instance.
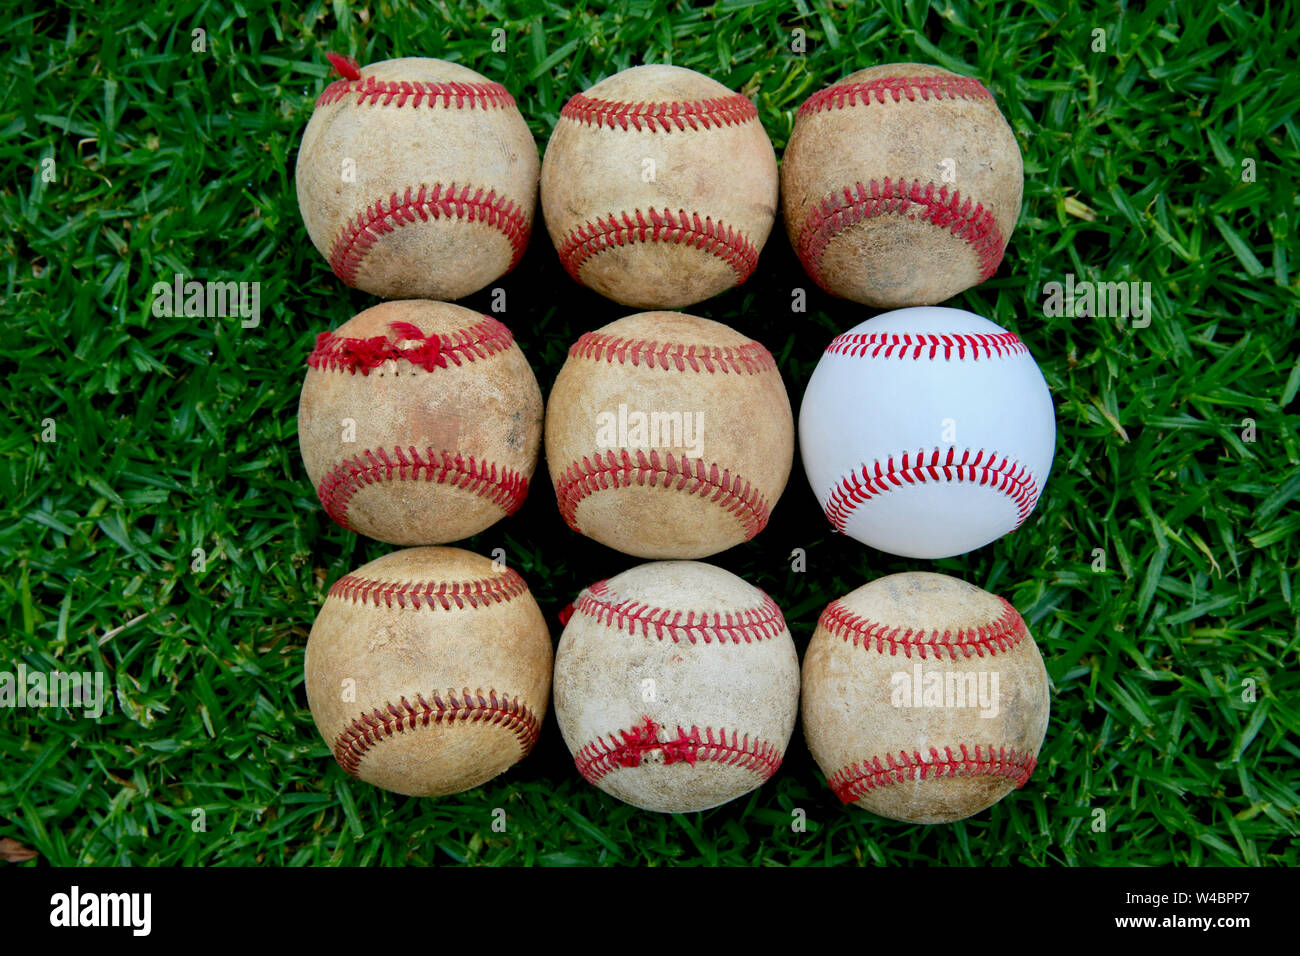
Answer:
(927, 432)
(676, 686)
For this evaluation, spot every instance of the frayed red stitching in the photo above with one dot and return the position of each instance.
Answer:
(863, 201)
(335, 353)
(872, 480)
(748, 625)
(373, 92)
(1002, 634)
(914, 346)
(750, 358)
(430, 594)
(369, 729)
(359, 234)
(852, 782)
(660, 117)
(714, 238)
(895, 89)
(691, 475)
(627, 748)
(504, 487)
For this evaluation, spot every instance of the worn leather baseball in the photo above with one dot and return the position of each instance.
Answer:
(924, 698)
(676, 686)
(668, 436)
(417, 178)
(428, 671)
(901, 185)
(659, 187)
(419, 422)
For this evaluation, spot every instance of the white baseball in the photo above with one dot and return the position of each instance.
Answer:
(927, 432)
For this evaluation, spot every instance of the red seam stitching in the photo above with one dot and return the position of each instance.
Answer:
(597, 758)
(895, 88)
(503, 486)
(358, 235)
(373, 92)
(914, 346)
(714, 238)
(1001, 634)
(660, 117)
(863, 201)
(852, 782)
(692, 475)
(636, 618)
(431, 594)
(334, 353)
(368, 730)
(750, 358)
(1009, 477)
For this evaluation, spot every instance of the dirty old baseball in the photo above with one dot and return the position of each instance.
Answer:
(668, 436)
(676, 686)
(428, 671)
(924, 698)
(417, 178)
(419, 422)
(659, 187)
(901, 185)
(927, 432)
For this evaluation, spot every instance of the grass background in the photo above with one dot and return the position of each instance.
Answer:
(176, 434)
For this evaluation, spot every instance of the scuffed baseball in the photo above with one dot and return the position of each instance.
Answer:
(676, 686)
(901, 184)
(927, 432)
(417, 178)
(924, 698)
(659, 187)
(419, 422)
(428, 671)
(668, 436)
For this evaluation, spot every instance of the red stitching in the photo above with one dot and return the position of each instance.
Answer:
(914, 346)
(692, 475)
(715, 238)
(334, 353)
(503, 486)
(852, 782)
(358, 235)
(749, 625)
(660, 117)
(370, 729)
(863, 201)
(895, 88)
(599, 757)
(430, 594)
(1002, 634)
(1010, 477)
(750, 358)
(373, 92)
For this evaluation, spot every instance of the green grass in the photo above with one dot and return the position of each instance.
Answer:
(177, 434)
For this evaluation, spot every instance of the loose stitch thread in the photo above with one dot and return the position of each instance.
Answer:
(628, 748)
(335, 353)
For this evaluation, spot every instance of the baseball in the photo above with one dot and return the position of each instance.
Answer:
(419, 422)
(668, 436)
(417, 178)
(659, 187)
(901, 185)
(958, 441)
(924, 698)
(676, 686)
(428, 670)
